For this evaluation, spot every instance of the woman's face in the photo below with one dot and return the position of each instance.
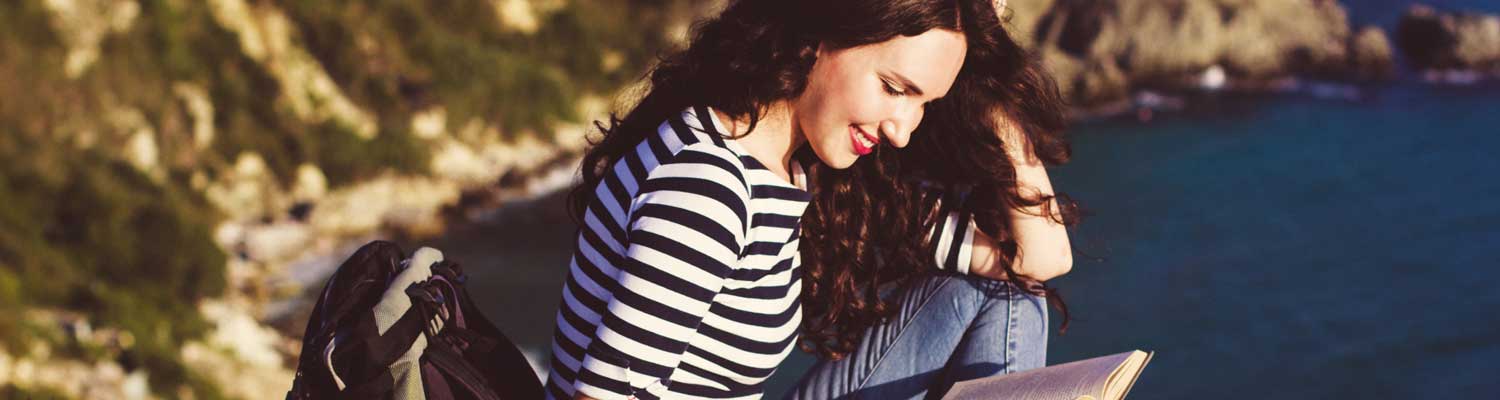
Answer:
(868, 96)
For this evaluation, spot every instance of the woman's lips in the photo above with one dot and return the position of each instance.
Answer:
(863, 142)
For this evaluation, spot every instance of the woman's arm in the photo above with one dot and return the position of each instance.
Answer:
(686, 231)
(1044, 251)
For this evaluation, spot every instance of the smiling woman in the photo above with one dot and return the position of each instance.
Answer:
(769, 132)
(859, 97)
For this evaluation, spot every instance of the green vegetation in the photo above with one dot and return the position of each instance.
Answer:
(83, 230)
(394, 55)
(9, 391)
(80, 231)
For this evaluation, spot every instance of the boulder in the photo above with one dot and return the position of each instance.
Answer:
(1370, 55)
(1022, 17)
(1170, 43)
(248, 191)
(1102, 81)
(1436, 40)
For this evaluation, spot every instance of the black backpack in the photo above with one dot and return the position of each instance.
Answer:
(346, 355)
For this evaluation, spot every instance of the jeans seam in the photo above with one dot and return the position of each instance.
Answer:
(1010, 330)
(885, 350)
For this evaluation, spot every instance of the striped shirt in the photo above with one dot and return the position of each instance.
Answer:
(686, 279)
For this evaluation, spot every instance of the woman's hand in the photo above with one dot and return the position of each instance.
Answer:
(1044, 251)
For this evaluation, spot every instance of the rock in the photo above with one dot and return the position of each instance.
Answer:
(266, 36)
(1065, 68)
(1167, 39)
(141, 150)
(524, 16)
(277, 242)
(429, 123)
(201, 109)
(456, 161)
(389, 201)
(83, 24)
(5, 367)
(239, 355)
(72, 378)
(1213, 78)
(1171, 43)
(1022, 18)
(136, 385)
(310, 185)
(137, 142)
(1447, 40)
(1370, 55)
(246, 192)
(228, 235)
(1103, 81)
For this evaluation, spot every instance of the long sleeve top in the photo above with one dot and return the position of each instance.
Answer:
(686, 279)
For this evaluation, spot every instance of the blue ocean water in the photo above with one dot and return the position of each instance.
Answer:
(1282, 246)
(1294, 248)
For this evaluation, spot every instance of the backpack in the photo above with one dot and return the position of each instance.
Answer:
(387, 327)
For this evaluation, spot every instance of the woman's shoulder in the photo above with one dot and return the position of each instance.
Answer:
(691, 140)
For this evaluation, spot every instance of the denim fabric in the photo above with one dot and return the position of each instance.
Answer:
(950, 328)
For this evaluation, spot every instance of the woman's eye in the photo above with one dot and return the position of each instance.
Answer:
(889, 89)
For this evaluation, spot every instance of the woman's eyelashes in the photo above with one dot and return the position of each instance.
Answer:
(891, 89)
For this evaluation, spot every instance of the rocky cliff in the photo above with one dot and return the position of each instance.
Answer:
(171, 172)
(1450, 46)
(1102, 50)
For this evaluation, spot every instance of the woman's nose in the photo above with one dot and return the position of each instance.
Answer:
(897, 134)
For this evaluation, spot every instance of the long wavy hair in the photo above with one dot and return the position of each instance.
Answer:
(758, 52)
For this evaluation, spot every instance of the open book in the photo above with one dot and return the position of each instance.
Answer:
(1101, 378)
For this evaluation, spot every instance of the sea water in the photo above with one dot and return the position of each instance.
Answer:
(1293, 247)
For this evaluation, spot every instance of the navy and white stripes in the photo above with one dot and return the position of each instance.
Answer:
(686, 278)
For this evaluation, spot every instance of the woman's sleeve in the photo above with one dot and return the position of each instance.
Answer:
(953, 231)
(687, 226)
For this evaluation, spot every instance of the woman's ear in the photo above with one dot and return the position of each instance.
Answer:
(811, 53)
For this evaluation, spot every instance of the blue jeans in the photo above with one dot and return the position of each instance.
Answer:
(950, 328)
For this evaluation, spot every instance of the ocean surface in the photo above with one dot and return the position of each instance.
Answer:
(1282, 246)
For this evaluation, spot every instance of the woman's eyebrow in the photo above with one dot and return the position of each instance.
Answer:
(906, 82)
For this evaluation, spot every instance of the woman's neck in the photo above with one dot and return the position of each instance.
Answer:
(774, 140)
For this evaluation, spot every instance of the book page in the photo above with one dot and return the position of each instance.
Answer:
(1059, 382)
(1124, 377)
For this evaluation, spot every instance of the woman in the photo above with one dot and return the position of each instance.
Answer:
(688, 278)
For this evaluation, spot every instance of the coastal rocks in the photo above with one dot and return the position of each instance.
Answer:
(266, 36)
(524, 15)
(239, 355)
(83, 24)
(406, 203)
(141, 152)
(76, 379)
(1100, 51)
(1370, 55)
(247, 191)
(1021, 18)
(429, 123)
(94, 378)
(277, 241)
(310, 185)
(200, 108)
(1444, 45)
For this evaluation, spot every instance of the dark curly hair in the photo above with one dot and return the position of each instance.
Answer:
(758, 52)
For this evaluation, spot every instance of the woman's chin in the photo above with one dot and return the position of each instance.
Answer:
(841, 162)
